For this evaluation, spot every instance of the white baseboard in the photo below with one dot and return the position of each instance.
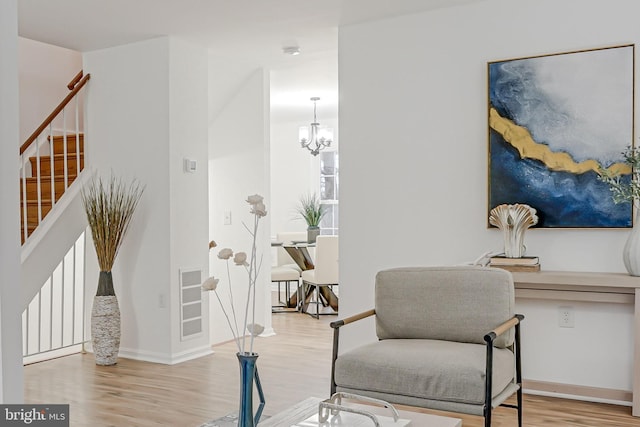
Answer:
(192, 354)
(48, 355)
(269, 332)
(154, 357)
(578, 392)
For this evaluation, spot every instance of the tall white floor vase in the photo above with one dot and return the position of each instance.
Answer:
(631, 252)
(105, 329)
(109, 206)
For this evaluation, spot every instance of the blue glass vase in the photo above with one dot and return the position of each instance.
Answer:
(249, 374)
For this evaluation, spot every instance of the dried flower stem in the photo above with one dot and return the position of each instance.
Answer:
(259, 210)
(251, 287)
(233, 331)
(255, 277)
(233, 308)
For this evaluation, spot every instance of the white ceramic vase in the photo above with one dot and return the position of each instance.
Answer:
(631, 251)
(312, 233)
(105, 329)
(513, 220)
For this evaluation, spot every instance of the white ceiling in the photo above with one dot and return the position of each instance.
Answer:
(241, 35)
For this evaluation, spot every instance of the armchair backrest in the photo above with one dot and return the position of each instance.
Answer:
(460, 303)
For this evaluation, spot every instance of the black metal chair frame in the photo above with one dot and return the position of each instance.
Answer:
(320, 300)
(283, 306)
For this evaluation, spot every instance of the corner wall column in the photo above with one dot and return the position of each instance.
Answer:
(11, 370)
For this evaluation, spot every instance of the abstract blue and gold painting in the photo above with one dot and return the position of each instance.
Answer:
(554, 121)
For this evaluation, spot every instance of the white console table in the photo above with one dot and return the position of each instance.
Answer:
(591, 287)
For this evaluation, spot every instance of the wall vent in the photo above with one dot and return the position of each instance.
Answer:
(190, 303)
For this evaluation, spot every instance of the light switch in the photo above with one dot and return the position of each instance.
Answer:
(227, 217)
(190, 166)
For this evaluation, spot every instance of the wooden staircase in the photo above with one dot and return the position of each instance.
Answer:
(45, 180)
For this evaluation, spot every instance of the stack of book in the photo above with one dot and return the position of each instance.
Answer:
(526, 263)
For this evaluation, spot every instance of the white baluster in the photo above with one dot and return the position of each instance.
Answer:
(77, 136)
(65, 166)
(25, 231)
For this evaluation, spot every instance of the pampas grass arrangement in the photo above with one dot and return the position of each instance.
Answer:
(109, 207)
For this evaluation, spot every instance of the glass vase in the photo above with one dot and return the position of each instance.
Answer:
(249, 374)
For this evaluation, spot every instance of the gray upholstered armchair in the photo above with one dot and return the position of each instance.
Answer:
(448, 340)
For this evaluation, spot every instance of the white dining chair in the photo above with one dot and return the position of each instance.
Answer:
(323, 277)
(283, 259)
(286, 271)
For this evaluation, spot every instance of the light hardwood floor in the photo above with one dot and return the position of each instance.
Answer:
(293, 365)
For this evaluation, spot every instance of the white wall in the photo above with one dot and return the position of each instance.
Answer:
(45, 70)
(189, 219)
(294, 171)
(11, 373)
(292, 174)
(239, 167)
(413, 89)
(146, 112)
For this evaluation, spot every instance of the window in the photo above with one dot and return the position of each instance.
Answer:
(329, 191)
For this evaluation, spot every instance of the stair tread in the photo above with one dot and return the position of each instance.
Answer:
(56, 156)
(29, 207)
(58, 164)
(48, 177)
(42, 200)
(69, 135)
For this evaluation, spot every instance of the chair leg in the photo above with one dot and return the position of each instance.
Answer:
(519, 398)
(315, 294)
(487, 417)
(287, 304)
(287, 293)
(306, 294)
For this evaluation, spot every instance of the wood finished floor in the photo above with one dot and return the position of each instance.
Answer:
(294, 364)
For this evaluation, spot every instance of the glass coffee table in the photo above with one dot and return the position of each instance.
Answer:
(308, 407)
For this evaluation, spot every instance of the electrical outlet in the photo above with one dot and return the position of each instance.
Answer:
(566, 317)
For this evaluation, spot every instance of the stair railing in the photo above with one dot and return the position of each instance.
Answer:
(30, 154)
(53, 324)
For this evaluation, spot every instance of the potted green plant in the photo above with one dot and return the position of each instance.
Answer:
(312, 211)
(109, 207)
(624, 182)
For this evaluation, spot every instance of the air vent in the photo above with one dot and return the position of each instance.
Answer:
(190, 303)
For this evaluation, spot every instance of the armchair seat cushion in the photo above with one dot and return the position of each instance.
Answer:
(424, 369)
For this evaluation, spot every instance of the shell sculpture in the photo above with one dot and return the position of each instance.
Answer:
(513, 220)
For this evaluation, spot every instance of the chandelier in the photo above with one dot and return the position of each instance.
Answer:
(313, 138)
